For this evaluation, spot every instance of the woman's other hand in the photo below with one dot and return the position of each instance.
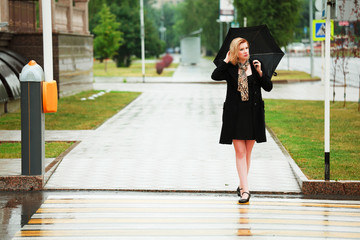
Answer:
(227, 59)
(257, 66)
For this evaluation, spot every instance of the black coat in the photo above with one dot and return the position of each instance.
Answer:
(229, 72)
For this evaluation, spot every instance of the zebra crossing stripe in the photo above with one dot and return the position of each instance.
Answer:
(182, 232)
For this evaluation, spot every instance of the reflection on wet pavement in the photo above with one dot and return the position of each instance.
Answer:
(16, 209)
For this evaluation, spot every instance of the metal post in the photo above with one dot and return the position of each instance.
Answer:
(359, 96)
(288, 58)
(322, 61)
(327, 92)
(311, 38)
(220, 33)
(47, 40)
(142, 38)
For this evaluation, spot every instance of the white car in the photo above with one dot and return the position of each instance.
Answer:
(296, 47)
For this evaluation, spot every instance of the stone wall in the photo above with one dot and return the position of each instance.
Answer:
(72, 58)
(75, 59)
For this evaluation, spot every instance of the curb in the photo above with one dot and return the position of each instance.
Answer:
(321, 187)
(21, 183)
(318, 187)
(33, 183)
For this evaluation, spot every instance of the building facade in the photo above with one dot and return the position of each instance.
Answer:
(72, 41)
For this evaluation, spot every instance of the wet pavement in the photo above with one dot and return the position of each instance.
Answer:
(139, 215)
(16, 209)
(167, 140)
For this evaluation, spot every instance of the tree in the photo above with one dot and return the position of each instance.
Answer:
(196, 14)
(171, 13)
(128, 13)
(108, 38)
(94, 7)
(281, 16)
(346, 41)
(303, 21)
(166, 16)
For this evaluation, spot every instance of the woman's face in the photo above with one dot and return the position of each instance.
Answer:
(243, 52)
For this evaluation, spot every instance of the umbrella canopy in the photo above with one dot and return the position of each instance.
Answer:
(262, 46)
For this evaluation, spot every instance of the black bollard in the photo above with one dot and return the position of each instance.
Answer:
(32, 120)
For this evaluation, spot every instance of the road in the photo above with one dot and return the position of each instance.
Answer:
(159, 215)
(303, 64)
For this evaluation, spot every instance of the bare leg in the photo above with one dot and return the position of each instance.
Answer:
(243, 150)
(249, 147)
(241, 165)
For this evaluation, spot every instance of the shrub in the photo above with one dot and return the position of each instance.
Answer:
(160, 67)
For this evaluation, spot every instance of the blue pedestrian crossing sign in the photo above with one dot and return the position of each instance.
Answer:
(319, 30)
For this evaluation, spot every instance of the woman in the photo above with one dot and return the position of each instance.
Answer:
(243, 114)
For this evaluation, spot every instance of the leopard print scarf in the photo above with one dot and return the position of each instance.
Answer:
(243, 87)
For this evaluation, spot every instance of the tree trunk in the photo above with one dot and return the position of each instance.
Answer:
(344, 90)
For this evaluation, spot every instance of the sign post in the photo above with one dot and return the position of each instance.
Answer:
(311, 39)
(328, 12)
(227, 11)
(327, 93)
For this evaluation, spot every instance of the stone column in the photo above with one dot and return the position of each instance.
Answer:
(83, 4)
(69, 5)
(4, 11)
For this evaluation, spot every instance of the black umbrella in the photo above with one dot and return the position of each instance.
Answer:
(262, 46)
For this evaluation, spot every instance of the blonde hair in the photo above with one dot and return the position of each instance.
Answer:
(234, 49)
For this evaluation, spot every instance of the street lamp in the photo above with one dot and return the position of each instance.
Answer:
(220, 32)
(142, 38)
(162, 30)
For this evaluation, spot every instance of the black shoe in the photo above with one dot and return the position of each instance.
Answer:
(238, 191)
(245, 200)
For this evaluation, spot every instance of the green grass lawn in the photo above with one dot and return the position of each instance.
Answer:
(284, 75)
(135, 70)
(13, 149)
(299, 125)
(75, 114)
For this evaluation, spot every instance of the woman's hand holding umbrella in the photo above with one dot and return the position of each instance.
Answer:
(257, 66)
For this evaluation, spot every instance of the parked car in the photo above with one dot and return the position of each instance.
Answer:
(296, 47)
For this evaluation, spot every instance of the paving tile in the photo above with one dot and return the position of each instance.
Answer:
(168, 140)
